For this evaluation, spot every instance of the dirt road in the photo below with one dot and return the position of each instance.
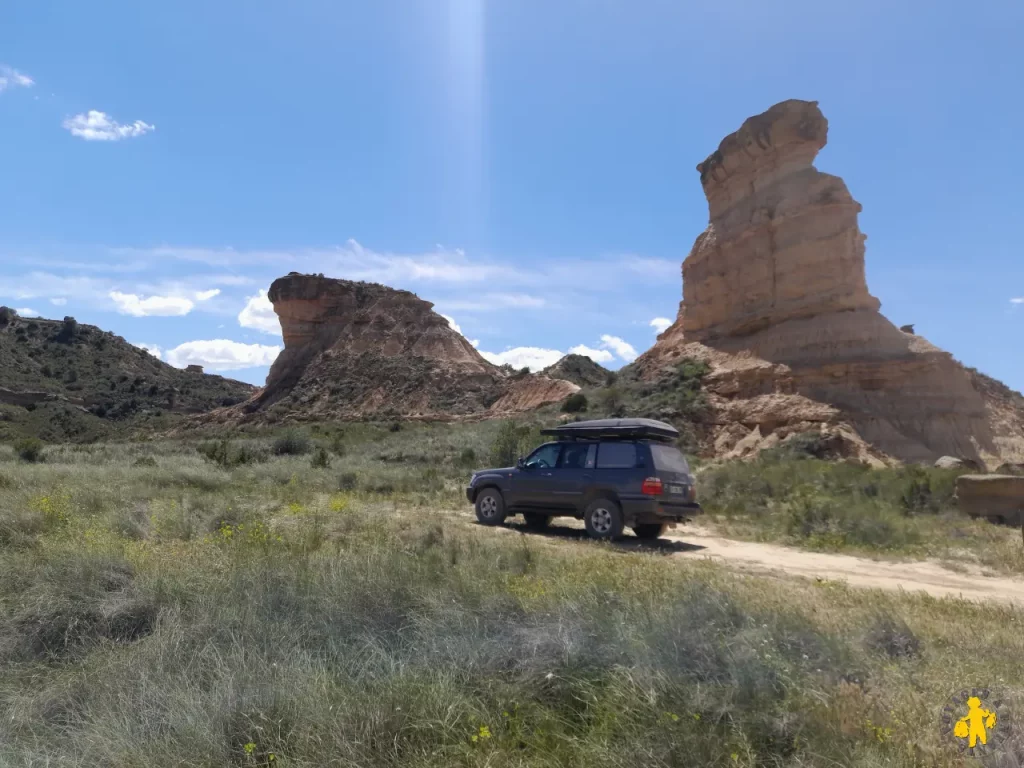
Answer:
(910, 576)
(931, 577)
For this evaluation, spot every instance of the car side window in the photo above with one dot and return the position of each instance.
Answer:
(616, 456)
(544, 457)
(575, 455)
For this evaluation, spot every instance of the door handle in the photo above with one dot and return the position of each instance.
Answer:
(546, 474)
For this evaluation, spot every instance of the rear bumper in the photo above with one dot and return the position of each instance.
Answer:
(655, 510)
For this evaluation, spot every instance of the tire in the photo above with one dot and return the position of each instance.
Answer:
(603, 519)
(490, 507)
(649, 531)
(536, 521)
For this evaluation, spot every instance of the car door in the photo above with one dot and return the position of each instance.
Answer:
(534, 482)
(574, 473)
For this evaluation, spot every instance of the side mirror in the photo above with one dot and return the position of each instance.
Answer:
(520, 462)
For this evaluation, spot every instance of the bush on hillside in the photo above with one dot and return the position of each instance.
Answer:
(321, 458)
(292, 443)
(574, 403)
(512, 441)
(29, 449)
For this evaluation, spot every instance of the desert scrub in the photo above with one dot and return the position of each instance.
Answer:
(476, 649)
(907, 511)
(199, 615)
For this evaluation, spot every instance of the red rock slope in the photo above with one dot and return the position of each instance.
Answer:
(355, 350)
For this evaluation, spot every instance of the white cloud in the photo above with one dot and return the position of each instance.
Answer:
(533, 358)
(153, 349)
(259, 313)
(455, 326)
(26, 312)
(597, 355)
(12, 78)
(474, 342)
(159, 306)
(58, 302)
(621, 348)
(660, 324)
(207, 295)
(222, 355)
(99, 126)
(1017, 301)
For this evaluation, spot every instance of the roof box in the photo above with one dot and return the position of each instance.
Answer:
(614, 429)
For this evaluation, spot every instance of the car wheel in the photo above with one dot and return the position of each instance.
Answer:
(603, 519)
(649, 531)
(536, 521)
(490, 507)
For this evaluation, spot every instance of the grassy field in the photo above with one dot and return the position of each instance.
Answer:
(835, 506)
(293, 602)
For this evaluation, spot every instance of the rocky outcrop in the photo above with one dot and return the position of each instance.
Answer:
(580, 370)
(998, 498)
(776, 302)
(358, 350)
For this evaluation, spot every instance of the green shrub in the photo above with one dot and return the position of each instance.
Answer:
(348, 481)
(292, 443)
(512, 441)
(145, 461)
(467, 458)
(226, 454)
(574, 403)
(321, 458)
(29, 449)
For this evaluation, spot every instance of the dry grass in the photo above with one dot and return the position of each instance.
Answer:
(176, 612)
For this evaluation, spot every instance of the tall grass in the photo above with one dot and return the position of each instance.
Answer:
(184, 612)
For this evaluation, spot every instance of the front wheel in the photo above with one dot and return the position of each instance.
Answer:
(603, 519)
(490, 507)
(649, 531)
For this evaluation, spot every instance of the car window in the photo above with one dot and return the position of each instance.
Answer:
(544, 457)
(616, 456)
(669, 458)
(577, 456)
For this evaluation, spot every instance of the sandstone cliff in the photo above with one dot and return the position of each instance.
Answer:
(775, 300)
(355, 350)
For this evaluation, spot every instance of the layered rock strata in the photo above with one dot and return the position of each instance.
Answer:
(776, 301)
(363, 350)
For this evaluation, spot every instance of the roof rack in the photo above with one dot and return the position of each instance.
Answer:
(621, 429)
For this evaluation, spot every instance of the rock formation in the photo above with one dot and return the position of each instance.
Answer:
(580, 370)
(998, 498)
(775, 300)
(354, 350)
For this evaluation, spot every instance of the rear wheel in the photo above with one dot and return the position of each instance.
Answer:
(490, 507)
(603, 519)
(649, 531)
(536, 521)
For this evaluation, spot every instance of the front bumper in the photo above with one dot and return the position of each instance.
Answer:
(471, 493)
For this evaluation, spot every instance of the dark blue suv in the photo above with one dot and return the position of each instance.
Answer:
(611, 473)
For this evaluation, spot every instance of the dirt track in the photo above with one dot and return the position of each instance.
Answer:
(931, 577)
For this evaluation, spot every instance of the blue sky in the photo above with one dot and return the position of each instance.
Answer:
(527, 166)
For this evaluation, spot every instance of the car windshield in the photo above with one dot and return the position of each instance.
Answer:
(669, 458)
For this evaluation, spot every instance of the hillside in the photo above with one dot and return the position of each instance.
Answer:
(62, 380)
(580, 370)
(357, 350)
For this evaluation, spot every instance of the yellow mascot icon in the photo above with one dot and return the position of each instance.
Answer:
(975, 724)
